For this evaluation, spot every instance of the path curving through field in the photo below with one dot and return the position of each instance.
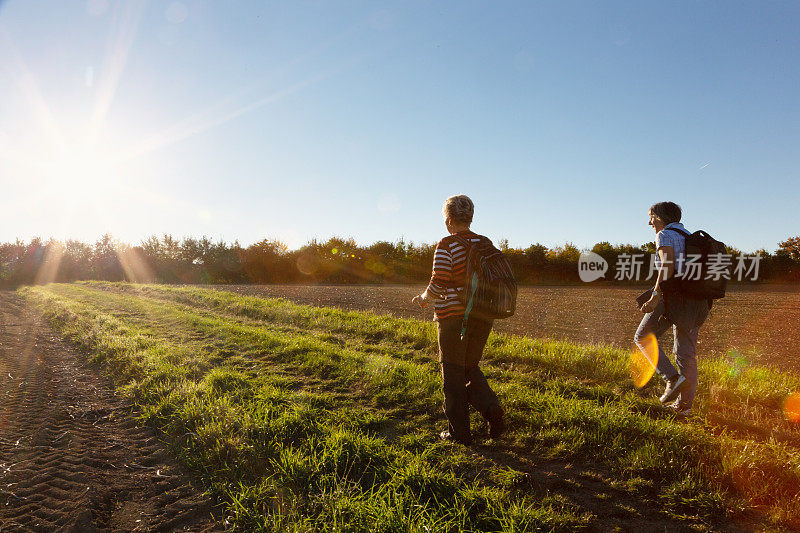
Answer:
(72, 457)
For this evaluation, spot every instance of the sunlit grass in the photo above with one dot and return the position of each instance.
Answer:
(300, 416)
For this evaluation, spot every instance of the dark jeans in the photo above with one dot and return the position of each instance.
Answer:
(463, 383)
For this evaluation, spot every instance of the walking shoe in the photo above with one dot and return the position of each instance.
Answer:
(679, 410)
(672, 390)
(446, 435)
(496, 424)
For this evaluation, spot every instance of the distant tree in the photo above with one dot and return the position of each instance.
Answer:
(536, 255)
(105, 261)
(733, 252)
(338, 260)
(564, 260)
(75, 263)
(386, 250)
(605, 250)
(191, 252)
(419, 259)
(567, 254)
(519, 262)
(792, 247)
(267, 262)
(224, 263)
(383, 259)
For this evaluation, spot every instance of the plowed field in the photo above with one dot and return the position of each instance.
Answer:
(761, 323)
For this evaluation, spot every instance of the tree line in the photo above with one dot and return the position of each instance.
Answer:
(169, 260)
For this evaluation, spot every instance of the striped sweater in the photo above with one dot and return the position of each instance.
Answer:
(449, 274)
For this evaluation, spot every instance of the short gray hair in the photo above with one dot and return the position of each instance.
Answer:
(459, 209)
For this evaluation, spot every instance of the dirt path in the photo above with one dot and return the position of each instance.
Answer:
(72, 457)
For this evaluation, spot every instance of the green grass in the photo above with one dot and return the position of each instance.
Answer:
(305, 418)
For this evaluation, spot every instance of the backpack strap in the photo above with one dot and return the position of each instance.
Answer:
(684, 233)
(469, 305)
(675, 275)
(467, 245)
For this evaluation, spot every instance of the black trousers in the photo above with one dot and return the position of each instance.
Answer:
(463, 383)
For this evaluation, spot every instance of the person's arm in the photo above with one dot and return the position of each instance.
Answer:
(440, 278)
(666, 255)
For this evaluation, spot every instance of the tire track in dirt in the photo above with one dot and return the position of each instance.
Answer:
(72, 457)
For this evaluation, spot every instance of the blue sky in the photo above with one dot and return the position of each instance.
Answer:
(245, 120)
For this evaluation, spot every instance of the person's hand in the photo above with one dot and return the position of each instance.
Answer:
(421, 300)
(650, 305)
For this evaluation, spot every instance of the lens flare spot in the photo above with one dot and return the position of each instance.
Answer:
(738, 363)
(643, 361)
(376, 267)
(791, 408)
(307, 264)
(177, 12)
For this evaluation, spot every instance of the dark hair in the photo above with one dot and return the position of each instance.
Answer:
(669, 212)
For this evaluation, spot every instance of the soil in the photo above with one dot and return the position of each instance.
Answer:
(751, 325)
(72, 455)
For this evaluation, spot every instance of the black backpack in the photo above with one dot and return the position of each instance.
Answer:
(490, 291)
(705, 271)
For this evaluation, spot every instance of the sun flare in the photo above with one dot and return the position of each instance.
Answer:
(79, 175)
(78, 172)
(643, 361)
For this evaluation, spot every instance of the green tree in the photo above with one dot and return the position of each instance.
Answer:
(792, 247)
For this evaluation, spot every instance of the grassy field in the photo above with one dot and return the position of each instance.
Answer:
(303, 418)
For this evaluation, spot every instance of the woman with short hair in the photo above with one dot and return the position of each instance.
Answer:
(463, 383)
(684, 313)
